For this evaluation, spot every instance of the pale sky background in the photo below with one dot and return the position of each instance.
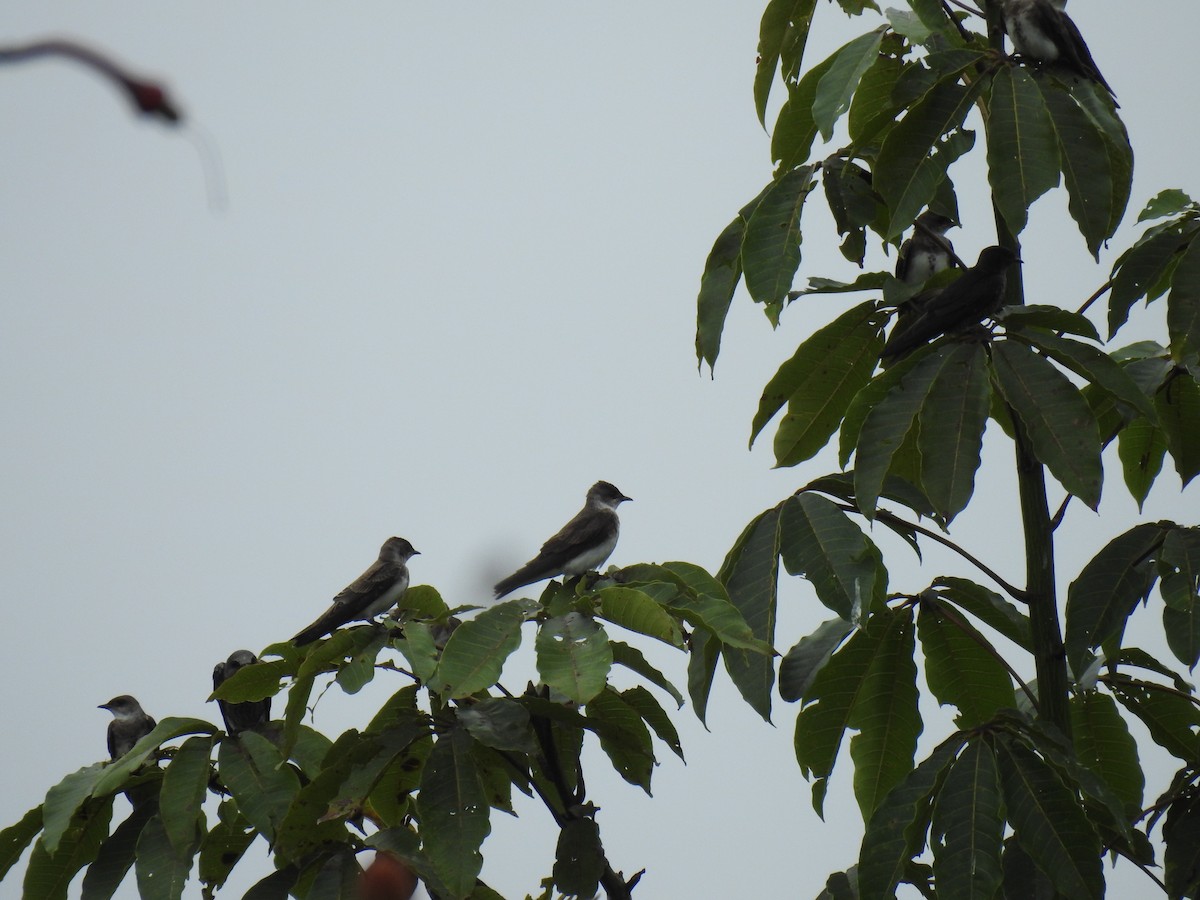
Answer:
(453, 285)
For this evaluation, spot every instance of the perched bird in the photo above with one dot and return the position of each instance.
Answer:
(129, 725)
(1042, 31)
(245, 716)
(583, 544)
(927, 251)
(977, 293)
(373, 592)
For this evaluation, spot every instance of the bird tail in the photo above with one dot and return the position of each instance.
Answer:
(313, 632)
(523, 576)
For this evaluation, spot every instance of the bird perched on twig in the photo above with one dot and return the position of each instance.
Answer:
(245, 716)
(374, 592)
(977, 293)
(129, 725)
(1042, 31)
(582, 545)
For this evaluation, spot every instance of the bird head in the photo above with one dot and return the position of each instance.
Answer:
(123, 707)
(397, 549)
(606, 494)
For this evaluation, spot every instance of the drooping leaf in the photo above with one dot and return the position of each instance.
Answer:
(325, 656)
(579, 858)
(500, 723)
(795, 128)
(643, 702)
(1103, 743)
(988, 607)
(48, 875)
(16, 837)
(360, 670)
(262, 783)
(968, 827)
(184, 785)
(771, 247)
(623, 736)
(475, 653)
(573, 655)
(63, 801)
(1142, 266)
(959, 669)
(454, 813)
(801, 664)
(1057, 419)
(116, 856)
(872, 109)
(1022, 148)
(952, 421)
(224, 846)
(632, 658)
(722, 272)
(702, 668)
(1172, 720)
(1181, 833)
(1178, 407)
(839, 83)
(1141, 447)
(1050, 318)
(783, 32)
(637, 611)
(162, 869)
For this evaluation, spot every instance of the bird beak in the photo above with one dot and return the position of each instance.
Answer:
(103, 706)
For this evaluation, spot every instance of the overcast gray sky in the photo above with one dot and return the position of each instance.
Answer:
(453, 285)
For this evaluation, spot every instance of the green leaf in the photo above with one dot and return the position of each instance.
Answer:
(475, 653)
(116, 856)
(818, 383)
(224, 846)
(324, 656)
(838, 84)
(896, 832)
(711, 609)
(867, 399)
(254, 682)
(655, 716)
(888, 424)
(952, 421)
(795, 128)
(1096, 366)
(1171, 719)
(337, 879)
(873, 107)
(262, 783)
(782, 35)
(702, 667)
(360, 670)
(623, 737)
(1050, 318)
(968, 827)
(1103, 743)
(916, 154)
(275, 886)
(1182, 628)
(117, 772)
(16, 837)
(1178, 406)
(722, 271)
(885, 714)
(1141, 267)
(1049, 821)
(183, 788)
(771, 248)
(500, 723)
(453, 813)
(828, 703)
(1055, 416)
(48, 875)
(419, 649)
(818, 540)
(1022, 153)
(633, 659)
(1141, 447)
(573, 656)
(802, 663)
(959, 669)
(1107, 591)
(162, 869)
(750, 575)
(1181, 833)
(1166, 203)
(986, 606)
(1093, 187)
(63, 801)
(579, 858)
(637, 611)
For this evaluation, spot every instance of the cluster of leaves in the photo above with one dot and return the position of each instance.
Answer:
(419, 781)
(1063, 789)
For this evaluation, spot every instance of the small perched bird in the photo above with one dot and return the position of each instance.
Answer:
(977, 293)
(1042, 31)
(245, 716)
(129, 725)
(373, 592)
(583, 544)
(927, 251)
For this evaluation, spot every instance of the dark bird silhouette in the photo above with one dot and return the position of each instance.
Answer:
(927, 251)
(1041, 31)
(129, 725)
(374, 592)
(583, 544)
(247, 715)
(977, 293)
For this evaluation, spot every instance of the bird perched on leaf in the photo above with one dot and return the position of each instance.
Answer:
(374, 592)
(247, 715)
(129, 725)
(976, 294)
(1042, 31)
(582, 545)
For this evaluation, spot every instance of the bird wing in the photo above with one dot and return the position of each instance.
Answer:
(1075, 49)
(353, 599)
(587, 529)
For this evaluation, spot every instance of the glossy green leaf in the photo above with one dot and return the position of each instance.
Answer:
(637, 611)
(262, 783)
(162, 869)
(960, 670)
(771, 248)
(360, 670)
(1108, 589)
(801, 664)
(419, 649)
(1055, 416)
(750, 575)
(867, 399)
(573, 655)
(1103, 743)
(1178, 407)
(968, 827)
(623, 737)
(819, 541)
(839, 83)
(633, 659)
(63, 801)
(47, 876)
(886, 716)
(454, 813)
(1022, 148)
(783, 32)
(722, 272)
(183, 788)
(1049, 822)
(896, 831)
(818, 383)
(424, 601)
(952, 421)
(475, 653)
